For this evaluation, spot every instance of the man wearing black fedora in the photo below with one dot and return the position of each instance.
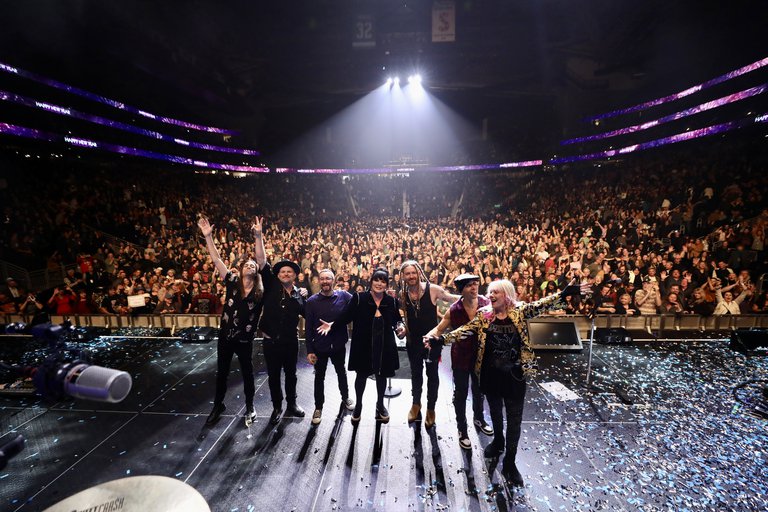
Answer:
(283, 304)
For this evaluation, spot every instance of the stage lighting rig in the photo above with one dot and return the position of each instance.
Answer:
(414, 79)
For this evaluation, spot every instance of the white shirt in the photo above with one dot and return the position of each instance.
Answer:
(729, 308)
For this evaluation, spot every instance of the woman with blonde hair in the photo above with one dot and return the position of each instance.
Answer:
(504, 360)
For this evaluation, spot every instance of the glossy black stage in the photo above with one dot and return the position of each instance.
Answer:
(665, 428)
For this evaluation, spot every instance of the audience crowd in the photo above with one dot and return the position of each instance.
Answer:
(669, 234)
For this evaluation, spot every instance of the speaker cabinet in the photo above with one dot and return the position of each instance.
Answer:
(612, 336)
(750, 341)
(554, 334)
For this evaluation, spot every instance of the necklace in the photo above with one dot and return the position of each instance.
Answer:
(415, 305)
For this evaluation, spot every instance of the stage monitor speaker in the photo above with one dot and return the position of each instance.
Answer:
(87, 333)
(554, 334)
(612, 336)
(198, 334)
(751, 341)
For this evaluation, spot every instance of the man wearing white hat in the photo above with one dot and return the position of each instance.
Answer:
(463, 356)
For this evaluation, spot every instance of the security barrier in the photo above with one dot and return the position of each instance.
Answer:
(660, 326)
(173, 322)
(656, 326)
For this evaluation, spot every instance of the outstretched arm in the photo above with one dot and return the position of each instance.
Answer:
(440, 328)
(260, 253)
(548, 303)
(477, 324)
(743, 295)
(543, 305)
(207, 230)
(438, 292)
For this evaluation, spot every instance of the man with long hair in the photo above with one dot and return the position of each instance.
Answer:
(239, 318)
(504, 360)
(418, 298)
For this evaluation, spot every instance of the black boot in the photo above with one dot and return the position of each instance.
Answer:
(215, 414)
(512, 475)
(356, 413)
(294, 410)
(277, 413)
(494, 449)
(382, 414)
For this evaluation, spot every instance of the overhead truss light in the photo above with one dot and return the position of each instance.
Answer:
(414, 79)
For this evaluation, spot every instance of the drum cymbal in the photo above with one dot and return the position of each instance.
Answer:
(136, 493)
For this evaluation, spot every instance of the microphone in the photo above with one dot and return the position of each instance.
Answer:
(81, 380)
(66, 372)
(11, 449)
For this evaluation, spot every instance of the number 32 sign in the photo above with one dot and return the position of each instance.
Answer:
(364, 32)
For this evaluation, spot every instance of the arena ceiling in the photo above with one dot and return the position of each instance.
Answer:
(270, 69)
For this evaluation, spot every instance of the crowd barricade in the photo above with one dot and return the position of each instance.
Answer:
(654, 325)
(173, 322)
(657, 325)
(14, 319)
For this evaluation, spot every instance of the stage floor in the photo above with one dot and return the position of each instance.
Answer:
(687, 440)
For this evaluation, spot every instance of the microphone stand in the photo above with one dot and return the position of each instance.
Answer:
(591, 341)
(391, 391)
(620, 392)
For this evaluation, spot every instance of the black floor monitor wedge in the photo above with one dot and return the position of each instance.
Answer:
(554, 334)
(750, 341)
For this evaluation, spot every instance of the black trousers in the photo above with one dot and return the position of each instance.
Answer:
(462, 381)
(281, 356)
(416, 354)
(337, 359)
(513, 403)
(381, 385)
(225, 349)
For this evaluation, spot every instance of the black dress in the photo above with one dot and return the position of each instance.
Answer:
(373, 349)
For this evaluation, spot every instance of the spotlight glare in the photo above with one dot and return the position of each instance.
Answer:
(389, 80)
(417, 78)
(397, 80)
